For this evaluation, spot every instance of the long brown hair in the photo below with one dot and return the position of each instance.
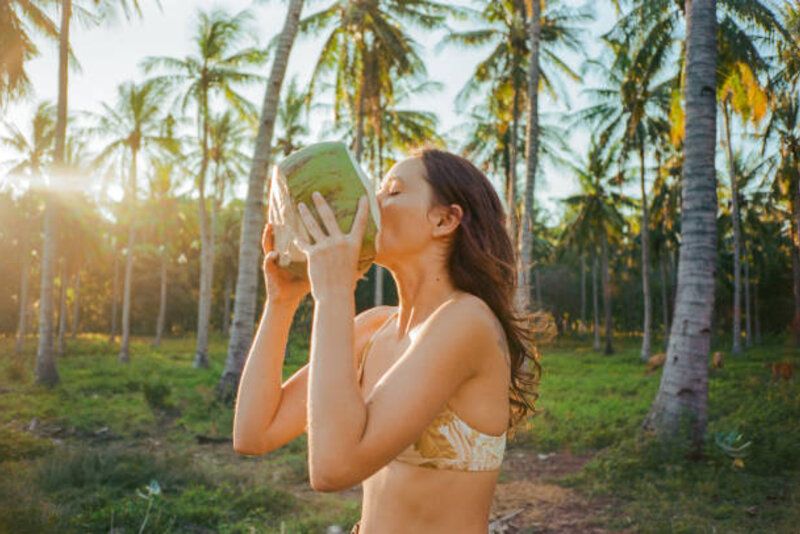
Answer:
(483, 262)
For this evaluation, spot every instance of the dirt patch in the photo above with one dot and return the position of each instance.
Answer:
(529, 500)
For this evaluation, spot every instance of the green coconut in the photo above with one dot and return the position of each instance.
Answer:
(331, 169)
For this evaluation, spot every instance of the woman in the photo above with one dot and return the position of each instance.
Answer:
(414, 401)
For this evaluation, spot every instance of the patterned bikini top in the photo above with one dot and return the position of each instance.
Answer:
(449, 442)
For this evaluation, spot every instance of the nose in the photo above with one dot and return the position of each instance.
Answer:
(379, 196)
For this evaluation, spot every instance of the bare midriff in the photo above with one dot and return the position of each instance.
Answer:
(402, 497)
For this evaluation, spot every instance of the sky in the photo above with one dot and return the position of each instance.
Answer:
(110, 55)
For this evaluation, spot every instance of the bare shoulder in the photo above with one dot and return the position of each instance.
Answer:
(480, 315)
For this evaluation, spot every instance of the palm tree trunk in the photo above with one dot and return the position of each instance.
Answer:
(609, 349)
(206, 267)
(596, 305)
(532, 155)
(665, 298)
(538, 287)
(226, 304)
(645, 238)
(114, 296)
(162, 301)
(253, 220)
(748, 339)
(757, 312)
(684, 380)
(737, 235)
(514, 223)
(124, 349)
(76, 305)
(583, 290)
(25, 273)
(62, 307)
(46, 372)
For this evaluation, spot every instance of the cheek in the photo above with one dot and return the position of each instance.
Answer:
(403, 228)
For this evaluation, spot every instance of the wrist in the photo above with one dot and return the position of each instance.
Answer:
(283, 301)
(337, 295)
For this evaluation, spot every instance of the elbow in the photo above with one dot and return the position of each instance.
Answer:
(326, 481)
(248, 447)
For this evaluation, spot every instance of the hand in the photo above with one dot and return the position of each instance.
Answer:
(333, 258)
(281, 286)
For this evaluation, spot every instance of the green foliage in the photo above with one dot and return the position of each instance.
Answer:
(590, 404)
(156, 392)
(596, 402)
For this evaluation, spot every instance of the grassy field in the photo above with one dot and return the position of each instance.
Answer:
(117, 446)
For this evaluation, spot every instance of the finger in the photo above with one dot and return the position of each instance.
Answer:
(271, 257)
(301, 244)
(265, 238)
(360, 221)
(270, 236)
(326, 213)
(310, 223)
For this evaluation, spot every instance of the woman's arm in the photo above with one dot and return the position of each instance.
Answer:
(260, 387)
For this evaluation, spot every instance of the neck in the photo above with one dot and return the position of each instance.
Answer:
(421, 291)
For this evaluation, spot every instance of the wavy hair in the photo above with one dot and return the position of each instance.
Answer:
(483, 262)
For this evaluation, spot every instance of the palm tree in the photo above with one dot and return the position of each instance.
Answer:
(253, 220)
(292, 121)
(227, 138)
(548, 26)
(684, 380)
(46, 372)
(132, 125)
(33, 152)
(597, 220)
(216, 68)
(163, 180)
(17, 19)
(503, 73)
(784, 125)
(740, 93)
(632, 106)
(664, 210)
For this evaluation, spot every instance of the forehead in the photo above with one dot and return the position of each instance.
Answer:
(408, 171)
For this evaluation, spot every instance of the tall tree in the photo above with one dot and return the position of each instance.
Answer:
(253, 220)
(684, 381)
(292, 121)
(597, 220)
(131, 125)
(504, 72)
(33, 155)
(217, 67)
(632, 106)
(227, 160)
(46, 372)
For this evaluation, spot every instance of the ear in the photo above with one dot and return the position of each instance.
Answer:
(447, 219)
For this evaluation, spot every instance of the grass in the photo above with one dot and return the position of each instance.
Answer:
(107, 431)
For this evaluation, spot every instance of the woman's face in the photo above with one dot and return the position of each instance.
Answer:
(408, 224)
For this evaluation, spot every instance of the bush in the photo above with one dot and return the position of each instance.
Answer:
(156, 394)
